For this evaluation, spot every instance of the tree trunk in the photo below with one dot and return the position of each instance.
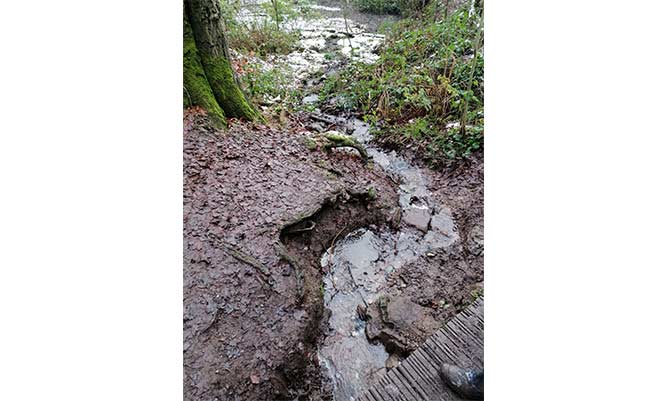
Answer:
(208, 78)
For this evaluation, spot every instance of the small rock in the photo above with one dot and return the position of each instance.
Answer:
(255, 379)
(392, 361)
(417, 216)
(443, 304)
(443, 223)
(310, 99)
(401, 324)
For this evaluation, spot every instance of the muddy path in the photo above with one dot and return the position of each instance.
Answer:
(308, 274)
(301, 269)
(252, 315)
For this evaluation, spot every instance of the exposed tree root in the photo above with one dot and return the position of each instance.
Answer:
(338, 140)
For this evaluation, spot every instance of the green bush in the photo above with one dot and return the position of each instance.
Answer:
(260, 37)
(262, 84)
(397, 7)
(378, 6)
(427, 87)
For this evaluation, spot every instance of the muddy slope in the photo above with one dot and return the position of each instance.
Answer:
(251, 314)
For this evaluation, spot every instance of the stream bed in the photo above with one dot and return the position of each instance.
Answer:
(357, 266)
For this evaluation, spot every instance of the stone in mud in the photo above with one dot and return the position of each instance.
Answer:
(310, 99)
(417, 216)
(400, 324)
(475, 242)
(443, 223)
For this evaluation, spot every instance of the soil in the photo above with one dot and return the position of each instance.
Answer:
(262, 204)
(248, 333)
(259, 211)
(446, 281)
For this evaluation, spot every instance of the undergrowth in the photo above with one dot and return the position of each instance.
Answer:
(263, 39)
(267, 84)
(426, 89)
(397, 7)
(262, 36)
(256, 33)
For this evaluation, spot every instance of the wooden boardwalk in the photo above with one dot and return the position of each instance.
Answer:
(460, 343)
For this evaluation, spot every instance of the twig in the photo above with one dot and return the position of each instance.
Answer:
(337, 140)
(248, 259)
(239, 255)
(337, 236)
(300, 230)
(299, 271)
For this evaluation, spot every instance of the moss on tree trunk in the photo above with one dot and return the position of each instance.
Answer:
(196, 88)
(207, 74)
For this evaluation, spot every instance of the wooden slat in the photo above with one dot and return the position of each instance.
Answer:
(404, 389)
(428, 383)
(417, 378)
(411, 379)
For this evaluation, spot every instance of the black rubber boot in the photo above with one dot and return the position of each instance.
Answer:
(468, 384)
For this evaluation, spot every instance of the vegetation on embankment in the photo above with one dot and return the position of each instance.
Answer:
(397, 7)
(262, 36)
(264, 33)
(426, 90)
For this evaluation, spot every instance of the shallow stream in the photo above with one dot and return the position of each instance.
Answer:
(357, 266)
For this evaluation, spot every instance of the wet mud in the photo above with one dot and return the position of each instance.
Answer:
(309, 273)
(248, 333)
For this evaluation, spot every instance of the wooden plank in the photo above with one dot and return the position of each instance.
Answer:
(447, 340)
(471, 332)
(412, 379)
(405, 388)
(417, 378)
(429, 384)
(375, 395)
(386, 389)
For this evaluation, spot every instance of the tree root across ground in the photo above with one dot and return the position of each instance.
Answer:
(252, 301)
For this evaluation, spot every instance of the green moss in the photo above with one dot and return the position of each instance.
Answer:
(196, 88)
(310, 143)
(208, 81)
(225, 88)
(338, 140)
